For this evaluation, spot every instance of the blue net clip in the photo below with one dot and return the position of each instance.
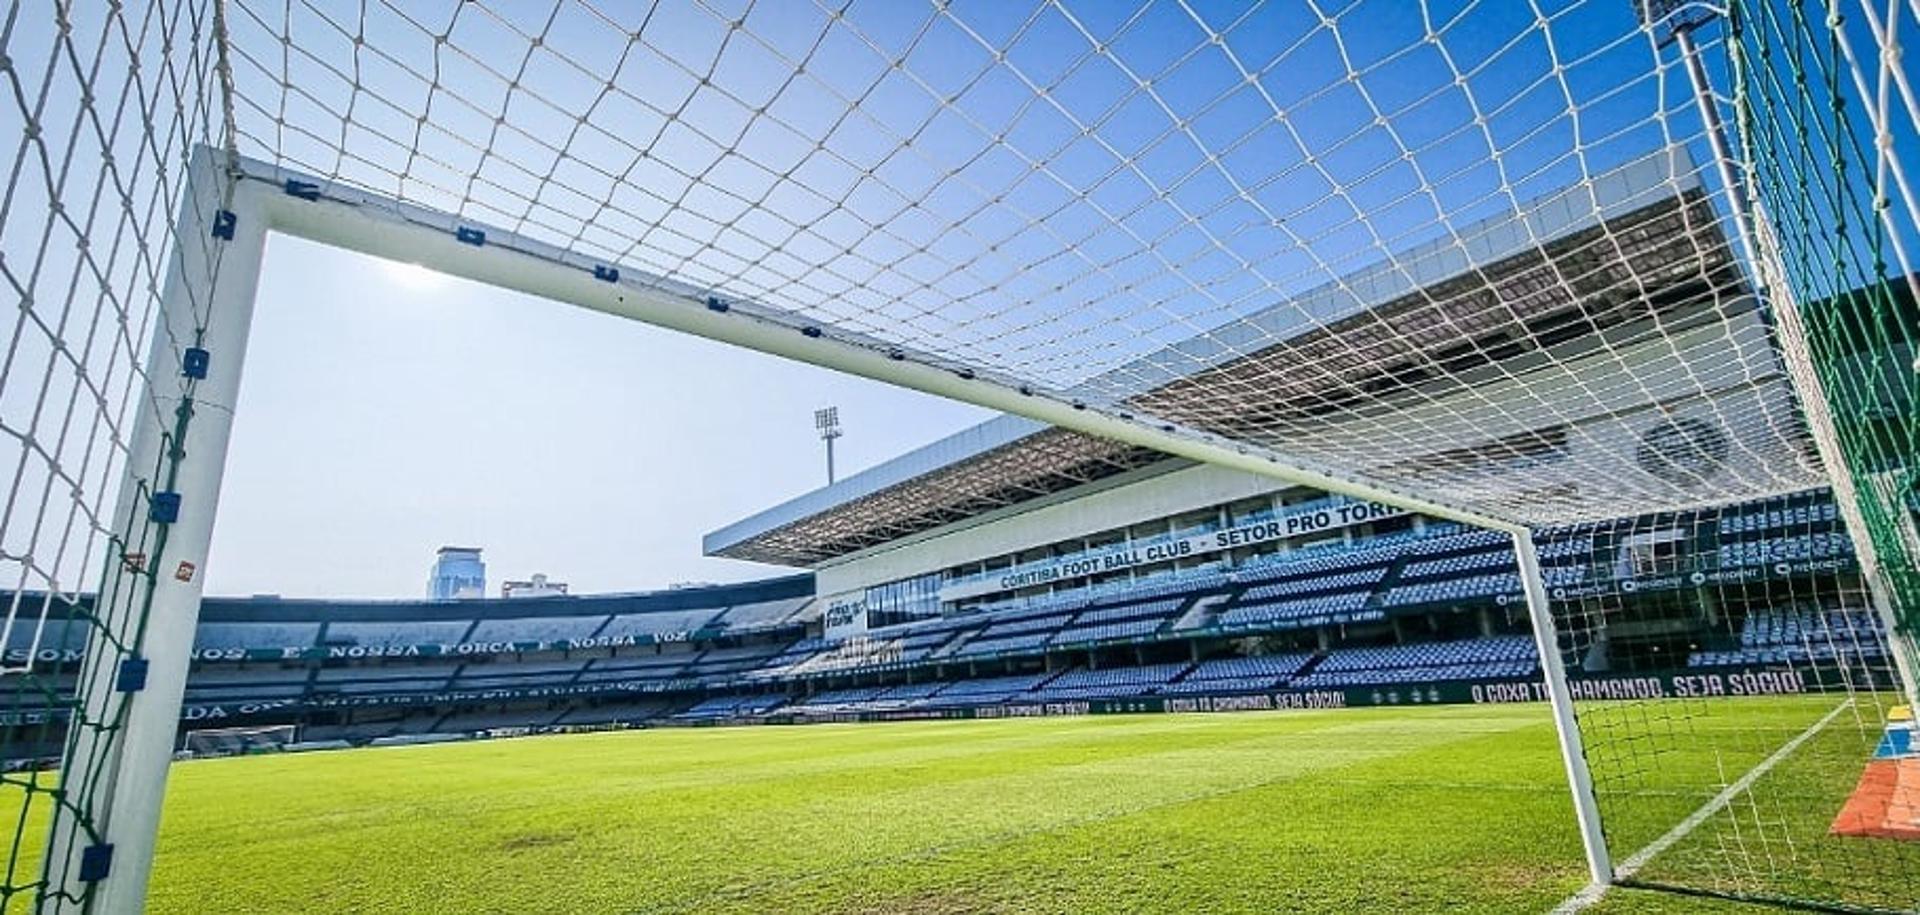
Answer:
(165, 508)
(132, 677)
(95, 862)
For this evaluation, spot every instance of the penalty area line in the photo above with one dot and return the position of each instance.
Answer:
(1593, 892)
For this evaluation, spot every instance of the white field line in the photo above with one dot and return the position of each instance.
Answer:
(1592, 892)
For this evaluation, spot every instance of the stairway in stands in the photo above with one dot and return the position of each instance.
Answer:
(1380, 591)
(1202, 611)
(951, 647)
(1308, 667)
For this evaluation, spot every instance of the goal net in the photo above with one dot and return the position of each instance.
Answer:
(204, 742)
(1735, 682)
(1621, 276)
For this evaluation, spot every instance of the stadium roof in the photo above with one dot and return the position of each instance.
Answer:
(1634, 243)
(1001, 462)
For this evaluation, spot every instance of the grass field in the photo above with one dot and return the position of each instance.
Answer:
(1381, 810)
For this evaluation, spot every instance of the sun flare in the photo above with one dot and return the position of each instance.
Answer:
(414, 276)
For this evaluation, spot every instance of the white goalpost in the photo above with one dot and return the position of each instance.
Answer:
(262, 199)
(1534, 285)
(182, 422)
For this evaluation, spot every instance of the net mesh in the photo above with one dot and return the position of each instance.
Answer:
(103, 105)
(1734, 679)
(1480, 253)
(1832, 125)
(1703, 782)
(1462, 253)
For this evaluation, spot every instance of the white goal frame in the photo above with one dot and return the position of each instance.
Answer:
(1254, 214)
(213, 288)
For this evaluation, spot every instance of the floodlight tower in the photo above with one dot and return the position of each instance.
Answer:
(827, 420)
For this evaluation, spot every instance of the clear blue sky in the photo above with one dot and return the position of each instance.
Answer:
(387, 411)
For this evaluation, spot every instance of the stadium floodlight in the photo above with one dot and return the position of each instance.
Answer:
(1252, 237)
(827, 421)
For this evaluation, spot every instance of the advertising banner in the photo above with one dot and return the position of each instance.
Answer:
(1306, 520)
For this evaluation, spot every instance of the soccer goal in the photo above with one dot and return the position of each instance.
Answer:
(207, 742)
(1583, 274)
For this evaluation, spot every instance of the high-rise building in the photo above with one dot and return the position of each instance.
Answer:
(458, 574)
(537, 586)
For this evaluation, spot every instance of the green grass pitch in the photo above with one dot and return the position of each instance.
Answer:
(1367, 810)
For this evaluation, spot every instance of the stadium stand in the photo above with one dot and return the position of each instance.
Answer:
(1245, 674)
(910, 692)
(398, 679)
(222, 684)
(1500, 656)
(658, 625)
(1113, 682)
(1106, 632)
(1784, 549)
(765, 614)
(503, 674)
(396, 633)
(725, 663)
(1312, 611)
(1404, 607)
(624, 713)
(469, 722)
(1025, 643)
(38, 636)
(723, 707)
(839, 700)
(1455, 590)
(1328, 557)
(986, 690)
(537, 629)
(217, 636)
(1804, 635)
(659, 669)
(1763, 517)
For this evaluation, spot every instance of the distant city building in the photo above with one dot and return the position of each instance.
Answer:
(458, 574)
(538, 586)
